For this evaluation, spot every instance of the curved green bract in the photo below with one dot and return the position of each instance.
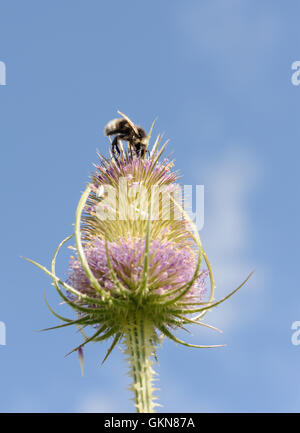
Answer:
(187, 287)
(212, 285)
(92, 338)
(93, 280)
(196, 322)
(66, 286)
(108, 334)
(215, 304)
(111, 348)
(64, 319)
(61, 294)
(73, 322)
(168, 334)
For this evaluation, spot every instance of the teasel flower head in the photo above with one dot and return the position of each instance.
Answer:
(139, 271)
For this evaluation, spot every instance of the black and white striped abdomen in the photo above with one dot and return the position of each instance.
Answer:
(115, 126)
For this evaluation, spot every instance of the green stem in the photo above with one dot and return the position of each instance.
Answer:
(139, 337)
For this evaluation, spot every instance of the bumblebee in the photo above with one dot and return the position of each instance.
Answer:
(124, 129)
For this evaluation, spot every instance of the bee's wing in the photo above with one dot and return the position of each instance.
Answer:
(130, 123)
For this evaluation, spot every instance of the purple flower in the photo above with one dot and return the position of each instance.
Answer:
(170, 267)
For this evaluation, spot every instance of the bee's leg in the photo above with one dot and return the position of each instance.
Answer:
(140, 150)
(143, 151)
(115, 147)
(127, 138)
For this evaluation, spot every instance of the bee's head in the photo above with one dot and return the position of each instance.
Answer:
(141, 132)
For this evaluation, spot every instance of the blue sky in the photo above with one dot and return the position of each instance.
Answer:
(218, 76)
